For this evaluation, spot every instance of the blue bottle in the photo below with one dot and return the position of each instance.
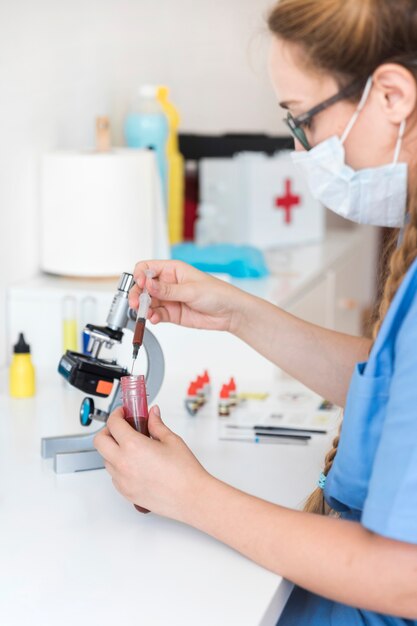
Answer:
(146, 126)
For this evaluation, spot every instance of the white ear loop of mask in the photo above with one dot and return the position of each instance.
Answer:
(361, 104)
(399, 141)
(355, 116)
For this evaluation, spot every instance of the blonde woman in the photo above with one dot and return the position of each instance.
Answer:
(346, 71)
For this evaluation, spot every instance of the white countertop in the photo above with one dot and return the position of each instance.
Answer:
(73, 551)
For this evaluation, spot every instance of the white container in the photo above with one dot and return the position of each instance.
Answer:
(101, 212)
(209, 225)
(251, 192)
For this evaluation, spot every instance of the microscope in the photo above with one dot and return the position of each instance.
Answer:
(100, 377)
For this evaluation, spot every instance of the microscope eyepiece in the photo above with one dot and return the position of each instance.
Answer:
(126, 282)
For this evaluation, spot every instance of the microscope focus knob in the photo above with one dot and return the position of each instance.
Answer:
(86, 411)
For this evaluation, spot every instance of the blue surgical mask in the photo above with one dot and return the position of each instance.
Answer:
(375, 195)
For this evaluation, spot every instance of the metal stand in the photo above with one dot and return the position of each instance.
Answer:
(76, 453)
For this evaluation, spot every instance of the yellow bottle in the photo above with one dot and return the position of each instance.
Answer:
(175, 169)
(22, 372)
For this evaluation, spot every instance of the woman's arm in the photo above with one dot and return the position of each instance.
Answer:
(322, 359)
(334, 558)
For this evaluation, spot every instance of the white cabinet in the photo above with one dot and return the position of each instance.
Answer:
(345, 290)
(339, 293)
(313, 305)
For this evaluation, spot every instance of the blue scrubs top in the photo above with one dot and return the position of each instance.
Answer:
(373, 479)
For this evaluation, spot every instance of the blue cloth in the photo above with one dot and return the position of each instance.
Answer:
(238, 261)
(373, 479)
(306, 609)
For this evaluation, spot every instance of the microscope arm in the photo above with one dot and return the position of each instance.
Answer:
(74, 453)
(154, 375)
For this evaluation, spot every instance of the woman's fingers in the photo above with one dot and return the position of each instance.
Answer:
(140, 278)
(155, 266)
(161, 291)
(119, 428)
(142, 266)
(110, 468)
(134, 294)
(161, 314)
(157, 429)
(170, 292)
(107, 446)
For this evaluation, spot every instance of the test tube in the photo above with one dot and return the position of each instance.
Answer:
(135, 408)
(88, 316)
(69, 324)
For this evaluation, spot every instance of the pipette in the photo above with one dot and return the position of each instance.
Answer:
(144, 304)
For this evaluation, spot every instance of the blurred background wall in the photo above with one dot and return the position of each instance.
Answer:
(62, 63)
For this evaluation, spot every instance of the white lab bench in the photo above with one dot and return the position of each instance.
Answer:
(72, 550)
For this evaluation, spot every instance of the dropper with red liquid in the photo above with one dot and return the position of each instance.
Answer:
(135, 408)
(144, 304)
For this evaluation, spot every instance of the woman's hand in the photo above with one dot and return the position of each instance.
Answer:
(183, 295)
(160, 474)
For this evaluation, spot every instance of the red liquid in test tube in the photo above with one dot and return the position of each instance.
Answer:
(135, 408)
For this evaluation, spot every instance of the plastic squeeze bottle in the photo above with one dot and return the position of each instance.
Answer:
(175, 169)
(22, 372)
(146, 126)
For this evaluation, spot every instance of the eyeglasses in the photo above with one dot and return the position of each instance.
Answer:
(295, 124)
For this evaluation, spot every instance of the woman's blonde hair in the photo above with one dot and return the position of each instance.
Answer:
(349, 39)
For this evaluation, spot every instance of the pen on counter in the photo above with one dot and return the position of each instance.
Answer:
(272, 438)
(280, 429)
(290, 436)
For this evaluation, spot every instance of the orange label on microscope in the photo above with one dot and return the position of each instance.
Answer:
(103, 386)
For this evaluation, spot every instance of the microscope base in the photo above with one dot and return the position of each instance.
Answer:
(85, 460)
(72, 453)
(67, 443)
(76, 453)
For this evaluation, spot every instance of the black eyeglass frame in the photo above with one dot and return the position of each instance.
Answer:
(294, 123)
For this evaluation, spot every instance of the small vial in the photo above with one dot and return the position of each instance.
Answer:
(207, 383)
(192, 403)
(224, 402)
(135, 408)
(201, 394)
(232, 392)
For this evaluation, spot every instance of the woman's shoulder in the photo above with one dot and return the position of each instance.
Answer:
(406, 295)
(402, 312)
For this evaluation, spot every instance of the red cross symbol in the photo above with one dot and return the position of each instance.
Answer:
(288, 201)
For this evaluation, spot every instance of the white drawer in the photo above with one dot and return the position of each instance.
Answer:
(345, 294)
(314, 305)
